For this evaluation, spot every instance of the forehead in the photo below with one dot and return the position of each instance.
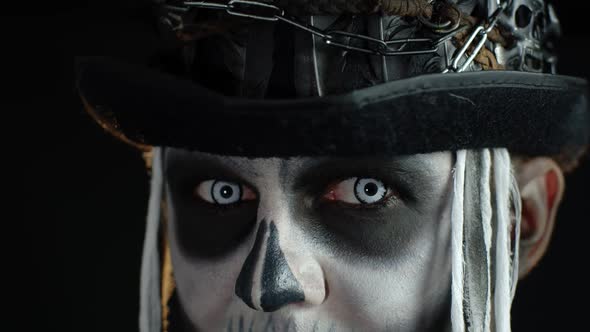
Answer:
(430, 165)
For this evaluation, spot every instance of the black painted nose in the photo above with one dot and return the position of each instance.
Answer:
(266, 282)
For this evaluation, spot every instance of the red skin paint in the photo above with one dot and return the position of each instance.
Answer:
(551, 182)
(529, 219)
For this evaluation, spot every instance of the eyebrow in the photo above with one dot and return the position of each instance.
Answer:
(180, 163)
(408, 166)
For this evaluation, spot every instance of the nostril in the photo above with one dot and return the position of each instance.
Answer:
(274, 300)
(311, 276)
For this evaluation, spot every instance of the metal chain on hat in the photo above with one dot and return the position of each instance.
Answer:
(478, 37)
(262, 11)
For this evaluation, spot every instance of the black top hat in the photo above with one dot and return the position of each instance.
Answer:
(263, 79)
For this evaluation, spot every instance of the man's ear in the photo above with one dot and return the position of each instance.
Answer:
(541, 188)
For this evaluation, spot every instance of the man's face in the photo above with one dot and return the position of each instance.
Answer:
(310, 244)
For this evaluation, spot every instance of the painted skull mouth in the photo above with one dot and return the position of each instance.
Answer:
(276, 324)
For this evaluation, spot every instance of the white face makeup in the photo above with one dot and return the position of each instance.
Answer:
(310, 244)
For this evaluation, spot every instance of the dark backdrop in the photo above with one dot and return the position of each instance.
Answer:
(81, 195)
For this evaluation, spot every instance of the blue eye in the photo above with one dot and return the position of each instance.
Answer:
(358, 191)
(369, 191)
(223, 192)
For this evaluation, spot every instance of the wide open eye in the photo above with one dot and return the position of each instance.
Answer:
(223, 192)
(358, 191)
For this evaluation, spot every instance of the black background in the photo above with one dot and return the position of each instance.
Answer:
(81, 195)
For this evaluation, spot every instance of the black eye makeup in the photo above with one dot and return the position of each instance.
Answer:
(367, 207)
(213, 208)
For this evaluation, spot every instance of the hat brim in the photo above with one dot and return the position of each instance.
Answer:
(528, 113)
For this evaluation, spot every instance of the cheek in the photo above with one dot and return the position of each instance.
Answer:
(206, 289)
(407, 287)
(206, 231)
(389, 234)
(205, 284)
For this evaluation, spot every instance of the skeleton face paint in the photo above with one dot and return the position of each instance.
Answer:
(310, 244)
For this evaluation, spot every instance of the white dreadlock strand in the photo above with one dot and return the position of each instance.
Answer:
(477, 241)
(457, 215)
(149, 292)
(483, 282)
(517, 205)
(486, 221)
(502, 296)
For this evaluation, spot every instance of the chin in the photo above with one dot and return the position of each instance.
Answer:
(294, 322)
